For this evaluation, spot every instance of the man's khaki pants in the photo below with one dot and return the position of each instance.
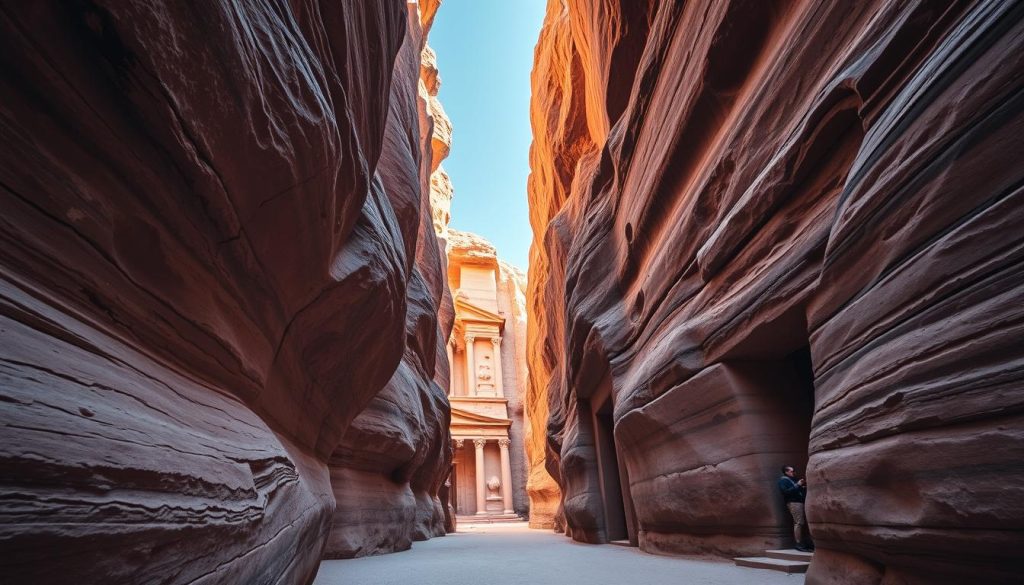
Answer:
(796, 510)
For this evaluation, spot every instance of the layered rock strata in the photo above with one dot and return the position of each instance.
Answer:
(771, 233)
(216, 266)
(388, 469)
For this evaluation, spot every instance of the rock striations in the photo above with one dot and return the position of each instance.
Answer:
(390, 465)
(221, 355)
(772, 233)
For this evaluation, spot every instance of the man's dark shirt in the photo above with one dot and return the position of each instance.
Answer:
(791, 491)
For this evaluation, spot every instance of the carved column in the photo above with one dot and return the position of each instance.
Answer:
(506, 476)
(455, 497)
(499, 384)
(470, 367)
(451, 368)
(481, 483)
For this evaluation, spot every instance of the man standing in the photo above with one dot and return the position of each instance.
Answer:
(793, 493)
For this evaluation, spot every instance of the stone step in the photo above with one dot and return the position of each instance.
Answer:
(789, 554)
(620, 542)
(773, 564)
(497, 518)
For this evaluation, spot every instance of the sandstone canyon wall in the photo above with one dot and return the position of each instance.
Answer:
(388, 469)
(784, 232)
(512, 304)
(220, 289)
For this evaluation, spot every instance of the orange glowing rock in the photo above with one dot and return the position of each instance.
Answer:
(765, 229)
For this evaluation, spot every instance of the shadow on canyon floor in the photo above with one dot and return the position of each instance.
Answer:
(506, 554)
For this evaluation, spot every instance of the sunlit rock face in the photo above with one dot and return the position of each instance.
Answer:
(217, 257)
(771, 234)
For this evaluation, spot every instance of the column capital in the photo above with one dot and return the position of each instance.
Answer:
(504, 443)
(470, 338)
(496, 340)
(479, 443)
(457, 443)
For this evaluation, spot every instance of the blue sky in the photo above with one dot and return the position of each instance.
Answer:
(484, 55)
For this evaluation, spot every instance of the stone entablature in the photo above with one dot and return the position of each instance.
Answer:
(478, 416)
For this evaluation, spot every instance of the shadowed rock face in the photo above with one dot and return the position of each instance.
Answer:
(784, 233)
(216, 259)
(387, 471)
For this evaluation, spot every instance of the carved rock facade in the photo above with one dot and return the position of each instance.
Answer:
(217, 265)
(487, 356)
(772, 233)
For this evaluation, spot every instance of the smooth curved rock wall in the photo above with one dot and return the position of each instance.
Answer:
(786, 233)
(387, 471)
(213, 260)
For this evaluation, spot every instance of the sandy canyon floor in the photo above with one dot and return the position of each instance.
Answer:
(512, 554)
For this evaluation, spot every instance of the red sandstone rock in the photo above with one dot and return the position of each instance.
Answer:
(766, 231)
(216, 252)
(388, 470)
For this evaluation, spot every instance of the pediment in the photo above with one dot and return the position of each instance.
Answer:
(469, 312)
(466, 418)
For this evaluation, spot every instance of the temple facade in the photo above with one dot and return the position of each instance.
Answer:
(487, 355)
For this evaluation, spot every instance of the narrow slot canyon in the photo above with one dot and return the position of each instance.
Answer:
(712, 292)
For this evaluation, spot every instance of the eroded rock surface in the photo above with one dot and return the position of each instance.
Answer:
(217, 263)
(388, 470)
(772, 231)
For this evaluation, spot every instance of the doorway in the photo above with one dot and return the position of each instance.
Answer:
(802, 397)
(608, 474)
